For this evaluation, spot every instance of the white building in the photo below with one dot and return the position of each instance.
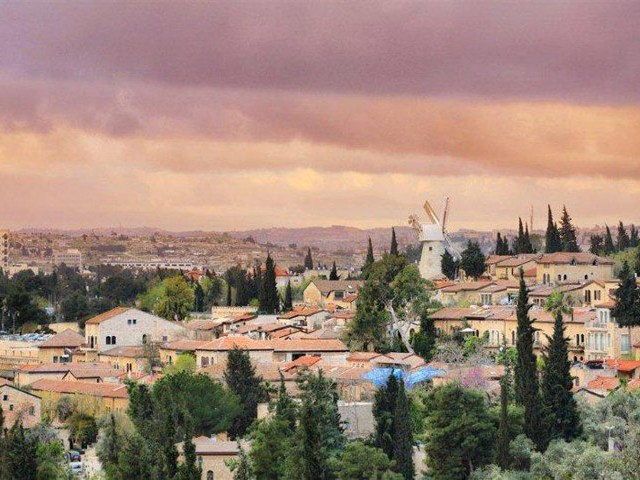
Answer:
(129, 327)
(72, 258)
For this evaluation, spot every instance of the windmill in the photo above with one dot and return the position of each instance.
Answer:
(435, 240)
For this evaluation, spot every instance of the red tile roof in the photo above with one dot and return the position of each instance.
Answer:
(107, 315)
(64, 339)
(604, 383)
(108, 390)
(624, 366)
(582, 258)
(231, 342)
(304, 361)
(315, 345)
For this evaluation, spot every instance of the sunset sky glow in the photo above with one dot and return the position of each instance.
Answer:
(235, 115)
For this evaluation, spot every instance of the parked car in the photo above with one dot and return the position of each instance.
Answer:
(74, 456)
(76, 468)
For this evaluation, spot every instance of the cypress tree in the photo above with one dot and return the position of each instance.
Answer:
(424, 341)
(229, 295)
(133, 459)
(627, 309)
(308, 260)
(597, 244)
(526, 375)
(528, 246)
(568, 233)
(384, 406)
(560, 408)
(609, 246)
(624, 241)
(394, 243)
(503, 437)
(370, 258)
(634, 240)
(473, 260)
(502, 245)
(198, 300)
(243, 469)
(519, 242)
(403, 435)
(288, 298)
(553, 243)
(334, 272)
(240, 377)
(189, 469)
(449, 265)
(269, 300)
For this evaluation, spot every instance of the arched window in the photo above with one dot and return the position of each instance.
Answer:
(577, 339)
(210, 475)
(144, 338)
(582, 338)
(113, 339)
(108, 340)
(513, 337)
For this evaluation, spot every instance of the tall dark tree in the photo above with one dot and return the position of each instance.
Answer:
(596, 244)
(527, 240)
(240, 377)
(308, 260)
(458, 443)
(553, 243)
(190, 468)
(134, 460)
(394, 243)
(560, 408)
(198, 300)
(503, 436)
(18, 455)
(473, 260)
(370, 258)
(269, 300)
(502, 245)
(526, 375)
(624, 241)
(449, 265)
(519, 242)
(634, 238)
(334, 273)
(424, 342)
(609, 246)
(627, 308)
(288, 298)
(403, 435)
(384, 406)
(568, 233)
(229, 300)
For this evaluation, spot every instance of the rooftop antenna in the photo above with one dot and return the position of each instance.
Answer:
(531, 219)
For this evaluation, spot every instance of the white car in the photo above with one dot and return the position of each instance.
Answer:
(76, 468)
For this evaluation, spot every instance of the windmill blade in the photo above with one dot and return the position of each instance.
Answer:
(445, 215)
(431, 214)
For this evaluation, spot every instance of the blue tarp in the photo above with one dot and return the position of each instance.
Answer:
(380, 376)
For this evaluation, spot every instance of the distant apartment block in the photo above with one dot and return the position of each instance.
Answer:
(4, 249)
(71, 258)
(151, 265)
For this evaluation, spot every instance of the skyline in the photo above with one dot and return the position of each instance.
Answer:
(241, 116)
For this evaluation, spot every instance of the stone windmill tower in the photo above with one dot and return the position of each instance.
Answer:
(435, 241)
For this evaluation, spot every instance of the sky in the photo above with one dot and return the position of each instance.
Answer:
(251, 114)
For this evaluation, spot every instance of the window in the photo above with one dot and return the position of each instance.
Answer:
(55, 359)
(129, 322)
(144, 338)
(113, 339)
(32, 410)
(597, 294)
(587, 296)
(11, 408)
(165, 338)
(624, 343)
(582, 338)
(338, 295)
(108, 340)
(486, 298)
(209, 475)
(559, 277)
(431, 249)
(513, 337)
(5, 398)
(134, 321)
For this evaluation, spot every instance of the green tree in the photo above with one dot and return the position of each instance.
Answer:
(568, 233)
(134, 459)
(553, 242)
(288, 298)
(449, 265)
(461, 432)
(394, 243)
(596, 244)
(624, 241)
(503, 437)
(83, 428)
(198, 298)
(189, 469)
(502, 245)
(362, 462)
(609, 246)
(627, 308)
(473, 260)
(243, 469)
(318, 437)
(634, 237)
(369, 258)
(177, 301)
(308, 260)
(560, 408)
(334, 273)
(269, 300)
(526, 375)
(424, 342)
(18, 455)
(270, 440)
(240, 377)
(403, 435)
(384, 407)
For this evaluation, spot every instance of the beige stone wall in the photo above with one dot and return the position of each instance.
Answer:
(574, 273)
(312, 295)
(216, 464)
(17, 404)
